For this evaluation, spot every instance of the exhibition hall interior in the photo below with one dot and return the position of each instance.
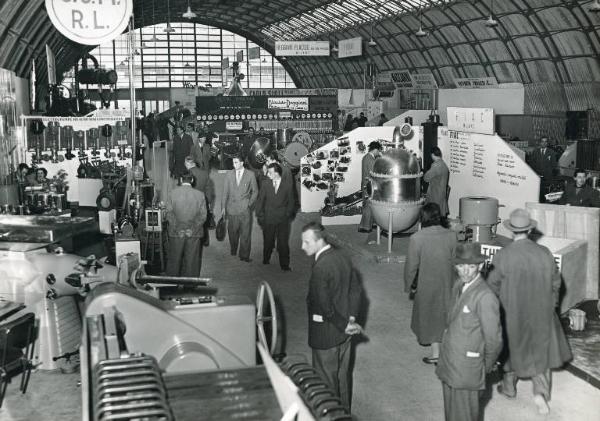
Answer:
(310, 210)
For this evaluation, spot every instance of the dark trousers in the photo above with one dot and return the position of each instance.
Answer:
(334, 366)
(239, 229)
(541, 382)
(366, 220)
(280, 231)
(184, 256)
(460, 404)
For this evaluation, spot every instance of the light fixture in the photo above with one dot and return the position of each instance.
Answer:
(491, 22)
(264, 60)
(334, 49)
(189, 14)
(372, 42)
(421, 33)
(187, 64)
(154, 37)
(169, 28)
(595, 6)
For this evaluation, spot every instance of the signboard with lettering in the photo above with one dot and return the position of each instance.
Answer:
(90, 22)
(301, 48)
(288, 103)
(472, 120)
(423, 81)
(351, 47)
(485, 165)
(234, 125)
(291, 91)
(475, 82)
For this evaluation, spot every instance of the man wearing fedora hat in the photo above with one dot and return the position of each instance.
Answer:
(526, 279)
(473, 339)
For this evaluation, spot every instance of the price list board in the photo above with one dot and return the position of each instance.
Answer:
(485, 165)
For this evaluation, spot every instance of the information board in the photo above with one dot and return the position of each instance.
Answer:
(472, 120)
(485, 165)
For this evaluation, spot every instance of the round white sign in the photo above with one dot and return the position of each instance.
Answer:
(90, 22)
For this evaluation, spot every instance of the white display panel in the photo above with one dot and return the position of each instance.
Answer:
(485, 165)
(313, 199)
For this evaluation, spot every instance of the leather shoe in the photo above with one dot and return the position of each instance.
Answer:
(244, 259)
(501, 390)
(265, 262)
(286, 269)
(430, 360)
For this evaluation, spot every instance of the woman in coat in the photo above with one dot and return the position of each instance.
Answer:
(429, 268)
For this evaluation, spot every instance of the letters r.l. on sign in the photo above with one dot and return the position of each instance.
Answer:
(90, 22)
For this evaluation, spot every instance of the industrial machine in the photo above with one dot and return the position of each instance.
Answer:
(479, 216)
(395, 184)
(151, 351)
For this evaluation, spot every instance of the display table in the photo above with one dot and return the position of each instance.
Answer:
(570, 257)
(576, 223)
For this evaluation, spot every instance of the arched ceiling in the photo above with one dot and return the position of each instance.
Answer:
(534, 41)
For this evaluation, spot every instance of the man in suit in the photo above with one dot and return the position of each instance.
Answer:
(527, 281)
(182, 145)
(201, 152)
(580, 193)
(543, 160)
(437, 177)
(274, 212)
(203, 183)
(333, 300)
(186, 213)
(239, 194)
(366, 221)
(473, 338)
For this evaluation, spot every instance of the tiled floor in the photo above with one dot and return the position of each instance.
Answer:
(390, 381)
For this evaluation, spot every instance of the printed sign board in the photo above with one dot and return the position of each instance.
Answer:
(350, 47)
(423, 81)
(475, 82)
(288, 103)
(398, 78)
(301, 48)
(90, 22)
(471, 120)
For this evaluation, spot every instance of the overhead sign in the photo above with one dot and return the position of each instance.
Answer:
(234, 125)
(471, 120)
(398, 78)
(291, 91)
(424, 81)
(475, 82)
(289, 103)
(90, 22)
(350, 47)
(301, 48)
(253, 53)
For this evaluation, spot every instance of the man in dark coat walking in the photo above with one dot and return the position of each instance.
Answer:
(526, 279)
(274, 212)
(437, 177)
(182, 145)
(334, 294)
(473, 338)
(366, 221)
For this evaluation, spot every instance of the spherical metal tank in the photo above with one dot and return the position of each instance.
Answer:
(478, 210)
(396, 177)
(395, 197)
(260, 149)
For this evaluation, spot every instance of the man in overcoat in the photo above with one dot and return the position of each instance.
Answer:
(201, 152)
(429, 267)
(526, 279)
(186, 213)
(240, 191)
(437, 177)
(274, 212)
(473, 339)
(366, 221)
(333, 300)
(182, 145)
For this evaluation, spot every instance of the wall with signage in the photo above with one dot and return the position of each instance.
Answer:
(485, 165)
(502, 100)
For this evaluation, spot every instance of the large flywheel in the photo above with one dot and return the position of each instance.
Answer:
(266, 317)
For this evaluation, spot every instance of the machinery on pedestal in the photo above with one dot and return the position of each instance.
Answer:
(395, 185)
(479, 216)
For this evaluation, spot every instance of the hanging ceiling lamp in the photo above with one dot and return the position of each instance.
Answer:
(595, 6)
(154, 37)
(188, 13)
(372, 42)
(334, 49)
(491, 22)
(421, 33)
(169, 28)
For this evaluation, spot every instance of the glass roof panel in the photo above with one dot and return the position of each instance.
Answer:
(340, 14)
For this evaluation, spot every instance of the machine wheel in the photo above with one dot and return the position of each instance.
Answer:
(303, 138)
(266, 313)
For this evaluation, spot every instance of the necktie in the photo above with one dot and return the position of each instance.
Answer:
(276, 185)
(238, 176)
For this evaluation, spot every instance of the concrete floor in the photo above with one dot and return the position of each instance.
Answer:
(390, 381)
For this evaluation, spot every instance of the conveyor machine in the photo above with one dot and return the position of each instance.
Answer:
(182, 357)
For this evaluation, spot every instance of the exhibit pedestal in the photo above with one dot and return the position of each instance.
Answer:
(576, 223)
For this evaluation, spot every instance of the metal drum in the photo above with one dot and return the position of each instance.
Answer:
(293, 152)
(479, 214)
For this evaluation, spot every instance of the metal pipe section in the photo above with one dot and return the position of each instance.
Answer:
(132, 104)
(175, 280)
